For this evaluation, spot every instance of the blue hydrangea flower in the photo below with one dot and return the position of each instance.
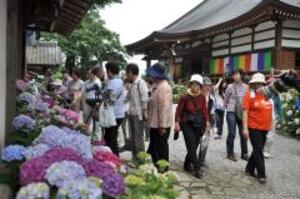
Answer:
(23, 122)
(36, 151)
(13, 152)
(26, 97)
(34, 190)
(71, 131)
(61, 173)
(56, 137)
(78, 189)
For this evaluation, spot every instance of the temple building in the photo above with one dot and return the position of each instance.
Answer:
(218, 36)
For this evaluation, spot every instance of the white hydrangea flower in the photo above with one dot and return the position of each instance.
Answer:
(297, 121)
(289, 113)
(298, 131)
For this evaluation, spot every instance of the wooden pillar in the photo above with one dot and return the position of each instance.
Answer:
(277, 60)
(3, 40)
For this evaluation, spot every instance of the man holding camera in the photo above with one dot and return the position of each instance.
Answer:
(91, 95)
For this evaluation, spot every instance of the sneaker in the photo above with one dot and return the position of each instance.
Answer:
(218, 137)
(262, 180)
(245, 157)
(268, 155)
(231, 157)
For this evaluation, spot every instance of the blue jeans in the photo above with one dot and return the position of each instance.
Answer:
(232, 122)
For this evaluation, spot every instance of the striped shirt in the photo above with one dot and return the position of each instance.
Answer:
(233, 92)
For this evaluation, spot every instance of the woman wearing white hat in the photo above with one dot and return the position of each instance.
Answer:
(257, 120)
(192, 118)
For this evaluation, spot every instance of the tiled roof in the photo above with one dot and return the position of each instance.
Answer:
(210, 13)
(44, 53)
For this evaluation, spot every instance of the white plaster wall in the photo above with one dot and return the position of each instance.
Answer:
(240, 49)
(241, 32)
(264, 35)
(196, 44)
(291, 33)
(265, 25)
(220, 37)
(3, 21)
(290, 43)
(266, 44)
(222, 43)
(241, 40)
(220, 52)
(291, 24)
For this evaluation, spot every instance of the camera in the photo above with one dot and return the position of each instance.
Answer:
(286, 81)
(95, 95)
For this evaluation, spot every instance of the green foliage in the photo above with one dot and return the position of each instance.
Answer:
(178, 90)
(148, 183)
(91, 41)
(290, 124)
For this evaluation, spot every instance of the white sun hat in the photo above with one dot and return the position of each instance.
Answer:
(197, 78)
(258, 78)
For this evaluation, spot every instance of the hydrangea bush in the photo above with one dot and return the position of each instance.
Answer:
(290, 123)
(51, 157)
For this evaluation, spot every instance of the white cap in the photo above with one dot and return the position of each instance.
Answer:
(258, 78)
(197, 78)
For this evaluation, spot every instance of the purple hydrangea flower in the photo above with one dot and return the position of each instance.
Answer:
(26, 97)
(98, 169)
(36, 151)
(56, 137)
(38, 106)
(13, 152)
(34, 170)
(83, 188)
(34, 190)
(103, 149)
(60, 173)
(24, 122)
(114, 185)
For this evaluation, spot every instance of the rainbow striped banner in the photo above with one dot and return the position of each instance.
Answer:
(261, 61)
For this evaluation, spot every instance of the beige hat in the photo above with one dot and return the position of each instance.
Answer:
(258, 78)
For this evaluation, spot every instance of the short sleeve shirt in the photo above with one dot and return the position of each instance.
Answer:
(259, 111)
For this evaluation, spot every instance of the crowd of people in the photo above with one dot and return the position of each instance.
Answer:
(146, 106)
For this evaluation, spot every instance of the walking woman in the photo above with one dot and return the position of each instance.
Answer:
(159, 114)
(192, 118)
(257, 121)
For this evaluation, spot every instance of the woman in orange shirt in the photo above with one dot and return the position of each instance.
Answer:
(257, 120)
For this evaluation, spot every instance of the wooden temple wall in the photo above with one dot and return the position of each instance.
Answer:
(15, 50)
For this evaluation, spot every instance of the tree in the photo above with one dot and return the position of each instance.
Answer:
(91, 41)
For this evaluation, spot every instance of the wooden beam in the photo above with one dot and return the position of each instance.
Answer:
(278, 45)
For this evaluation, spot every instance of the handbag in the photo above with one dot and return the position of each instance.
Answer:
(106, 115)
(238, 106)
(197, 118)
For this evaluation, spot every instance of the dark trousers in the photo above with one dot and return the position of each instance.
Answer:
(192, 136)
(257, 161)
(111, 137)
(232, 122)
(159, 146)
(136, 134)
(220, 120)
